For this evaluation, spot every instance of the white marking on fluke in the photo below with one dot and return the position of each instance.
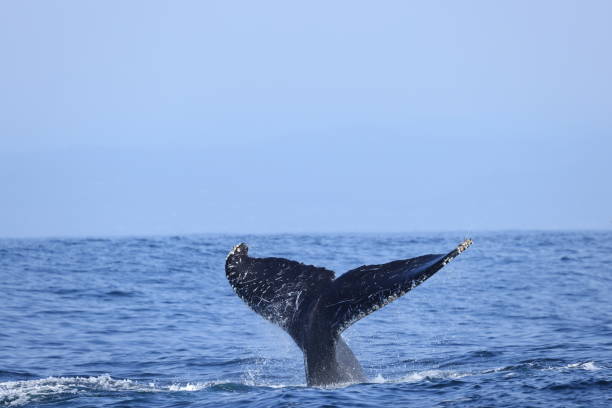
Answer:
(237, 249)
(464, 245)
(460, 248)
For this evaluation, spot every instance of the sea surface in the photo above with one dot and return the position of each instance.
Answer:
(521, 319)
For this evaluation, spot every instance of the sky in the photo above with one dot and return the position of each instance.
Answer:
(186, 117)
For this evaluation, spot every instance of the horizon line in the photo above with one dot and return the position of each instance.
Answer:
(297, 233)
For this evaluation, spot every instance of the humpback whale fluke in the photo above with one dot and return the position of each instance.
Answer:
(315, 308)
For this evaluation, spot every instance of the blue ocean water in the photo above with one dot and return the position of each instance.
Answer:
(519, 319)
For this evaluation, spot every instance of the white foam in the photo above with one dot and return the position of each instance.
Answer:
(431, 375)
(189, 387)
(418, 376)
(15, 393)
(589, 366)
(21, 392)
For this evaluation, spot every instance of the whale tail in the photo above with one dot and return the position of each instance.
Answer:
(314, 307)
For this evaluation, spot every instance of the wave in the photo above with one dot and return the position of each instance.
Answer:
(429, 375)
(588, 366)
(432, 375)
(585, 366)
(17, 393)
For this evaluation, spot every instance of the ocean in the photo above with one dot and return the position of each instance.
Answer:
(521, 319)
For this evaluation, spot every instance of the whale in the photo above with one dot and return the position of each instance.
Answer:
(314, 307)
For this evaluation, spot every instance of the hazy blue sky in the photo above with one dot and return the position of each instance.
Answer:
(144, 117)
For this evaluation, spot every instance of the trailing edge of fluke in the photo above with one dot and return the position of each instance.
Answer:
(314, 307)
